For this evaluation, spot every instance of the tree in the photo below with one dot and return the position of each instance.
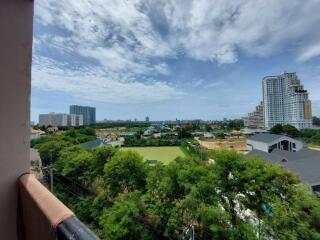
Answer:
(126, 171)
(297, 217)
(248, 184)
(76, 164)
(316, 121)
(101, 155)
(50, 150)
(124, 219)
(276, 129)
(290, 130)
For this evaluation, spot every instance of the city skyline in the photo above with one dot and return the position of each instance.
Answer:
(130, 63)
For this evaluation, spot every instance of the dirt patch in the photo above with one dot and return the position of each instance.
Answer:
(238, 145)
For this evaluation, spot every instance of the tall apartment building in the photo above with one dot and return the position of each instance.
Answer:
(255, 119)
(88, 113)
(286, 101)
(60, 119)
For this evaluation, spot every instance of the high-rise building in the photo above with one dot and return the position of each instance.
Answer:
(147, 119)
(255, 119)
(286, 101)
(88, 113)
(60, 119)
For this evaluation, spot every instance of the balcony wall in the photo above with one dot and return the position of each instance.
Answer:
(40, 212)
(16, 18)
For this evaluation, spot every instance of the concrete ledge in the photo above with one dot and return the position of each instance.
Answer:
(41, 211)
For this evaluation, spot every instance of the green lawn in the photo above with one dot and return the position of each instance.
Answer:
(163, 154)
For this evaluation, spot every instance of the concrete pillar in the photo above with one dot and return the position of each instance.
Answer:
(16, 19)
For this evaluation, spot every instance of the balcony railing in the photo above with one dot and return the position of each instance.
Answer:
(43, 216)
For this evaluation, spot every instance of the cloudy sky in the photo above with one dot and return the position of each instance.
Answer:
(170, 59)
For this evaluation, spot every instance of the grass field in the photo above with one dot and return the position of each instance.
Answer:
(163, 154)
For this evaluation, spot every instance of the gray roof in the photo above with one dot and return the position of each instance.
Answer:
(265, 137)
(305, 163)
(92, 144)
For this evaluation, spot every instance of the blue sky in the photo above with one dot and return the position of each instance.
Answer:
(170, 59)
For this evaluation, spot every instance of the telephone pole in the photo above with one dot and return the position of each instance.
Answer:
(51, 173)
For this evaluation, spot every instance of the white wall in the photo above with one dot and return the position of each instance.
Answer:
(257, 145)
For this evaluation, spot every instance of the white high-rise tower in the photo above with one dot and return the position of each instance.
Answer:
(286, 101)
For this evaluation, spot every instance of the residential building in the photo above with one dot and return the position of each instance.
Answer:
(75, 120)
(89, 113)
(255, 119)
(288, 153)
(53, 119)
(286, 101)
(147, 119)
(60, 119)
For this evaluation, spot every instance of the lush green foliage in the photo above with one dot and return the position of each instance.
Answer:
(50, 146)
(135, 201)
(289, 130)
(309, 135)
(122, 197)
(316, 121)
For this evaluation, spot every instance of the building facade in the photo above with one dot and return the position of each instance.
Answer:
(285, 101)
(60, 119)
(88, 113)
(255, 119)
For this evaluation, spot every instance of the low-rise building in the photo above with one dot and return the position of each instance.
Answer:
(268, 142)
(290, 154)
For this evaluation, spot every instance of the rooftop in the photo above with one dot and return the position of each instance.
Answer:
(305, 163)
(265, 137)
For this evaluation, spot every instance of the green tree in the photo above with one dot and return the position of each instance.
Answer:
(290, 130)
(76, 164)
(126, 171)
(316, 121)
(297, 217)
(49, 151)
(124, 219)
(101, 155)
(276, 129)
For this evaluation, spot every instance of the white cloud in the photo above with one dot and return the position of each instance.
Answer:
(97, 85)
(310, 52)
(130, 41)
(214, 84)
(207, 29)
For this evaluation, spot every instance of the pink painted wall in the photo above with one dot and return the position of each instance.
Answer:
(16, 18)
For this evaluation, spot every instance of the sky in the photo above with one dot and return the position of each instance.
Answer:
(201, 59)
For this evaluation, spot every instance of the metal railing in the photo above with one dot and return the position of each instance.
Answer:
(73, 229)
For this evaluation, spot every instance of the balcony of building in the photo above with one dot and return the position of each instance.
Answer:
(27, 209)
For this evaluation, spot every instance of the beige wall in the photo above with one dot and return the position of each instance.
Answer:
(15, 80)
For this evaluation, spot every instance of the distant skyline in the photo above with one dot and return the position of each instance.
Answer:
(170, 59)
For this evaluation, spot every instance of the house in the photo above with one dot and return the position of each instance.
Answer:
(288, 153)
(268, 142)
